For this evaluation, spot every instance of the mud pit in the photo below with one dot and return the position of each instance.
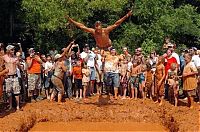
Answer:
(102, 110)
(96, 126)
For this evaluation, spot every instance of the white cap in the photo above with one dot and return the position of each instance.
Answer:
(9, 47)
(57, 56)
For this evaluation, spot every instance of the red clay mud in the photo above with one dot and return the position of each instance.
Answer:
(103, 110)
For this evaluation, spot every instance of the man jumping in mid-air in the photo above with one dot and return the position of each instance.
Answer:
(101, 35)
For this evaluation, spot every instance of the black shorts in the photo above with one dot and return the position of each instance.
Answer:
(78, 83)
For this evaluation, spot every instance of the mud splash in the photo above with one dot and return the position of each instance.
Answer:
(103, 110)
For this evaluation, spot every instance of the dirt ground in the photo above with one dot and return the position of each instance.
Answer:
(104, 109)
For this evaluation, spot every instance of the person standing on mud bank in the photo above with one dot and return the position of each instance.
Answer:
(34, 63)
(101, 35)
(12, 82)
(58, 76)
(189, 79)
(3, 70)
(111, 72)
(160, 80)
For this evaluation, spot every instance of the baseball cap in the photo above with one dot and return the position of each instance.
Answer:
(194, 48)
(9, 47)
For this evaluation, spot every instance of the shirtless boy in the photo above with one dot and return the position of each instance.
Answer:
(134, 80)
(124, 76)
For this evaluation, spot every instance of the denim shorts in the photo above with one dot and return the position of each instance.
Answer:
(92, 74)
(111, 79)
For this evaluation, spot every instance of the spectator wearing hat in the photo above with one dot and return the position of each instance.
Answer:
(58, 75)
(12, 82)
(34, 74)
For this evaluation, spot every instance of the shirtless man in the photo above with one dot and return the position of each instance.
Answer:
(12, 82)
(111, 71)
(139, 56)
(101, 35)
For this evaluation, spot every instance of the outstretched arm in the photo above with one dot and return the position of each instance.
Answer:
(67, 48)
(81, 26)
(117, 23)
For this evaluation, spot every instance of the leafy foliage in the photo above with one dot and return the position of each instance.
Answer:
(152, 20)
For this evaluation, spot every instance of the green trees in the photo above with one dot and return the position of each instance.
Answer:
(152, 20)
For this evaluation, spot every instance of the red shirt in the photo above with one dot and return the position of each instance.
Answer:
(169, 62)
(35, 67)
(77, 72)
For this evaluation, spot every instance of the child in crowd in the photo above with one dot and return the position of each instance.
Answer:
(189, 79)
(159, 80)
(124, 76)
(77, 75)
(85, 79)
(48, 67)
(172, 81)
(134, 80)
(142, 80)
(149, 81)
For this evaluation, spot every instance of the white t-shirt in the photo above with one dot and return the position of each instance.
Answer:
(129, 65)
(48, 66)
(83, 55)
(91, 57)
(196, 60)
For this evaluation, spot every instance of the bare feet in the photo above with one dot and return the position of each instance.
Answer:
(160, 103)
(123, 98)
(191, 107)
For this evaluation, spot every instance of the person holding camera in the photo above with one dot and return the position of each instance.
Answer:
(34, 74)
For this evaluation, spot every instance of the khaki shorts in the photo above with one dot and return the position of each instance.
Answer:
(34, 81)
(12, 85)
(85, 83)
